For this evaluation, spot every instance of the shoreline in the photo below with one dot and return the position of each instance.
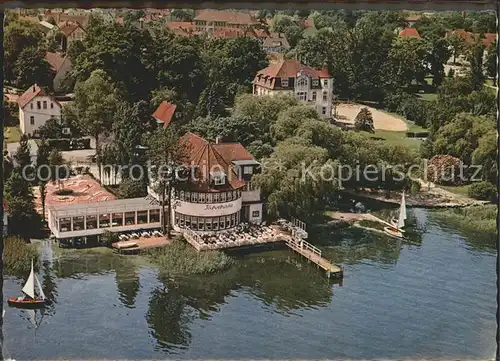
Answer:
(435, 198)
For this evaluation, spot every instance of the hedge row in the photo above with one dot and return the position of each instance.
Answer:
(69, 144)
(417, 134)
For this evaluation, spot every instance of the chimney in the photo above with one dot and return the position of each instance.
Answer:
(218, 139)
(34, 87)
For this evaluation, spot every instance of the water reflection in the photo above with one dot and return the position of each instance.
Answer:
(127, 282)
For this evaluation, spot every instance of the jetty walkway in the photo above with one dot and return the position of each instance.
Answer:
(294, 240)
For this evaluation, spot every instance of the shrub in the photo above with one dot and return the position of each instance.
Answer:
(445, 170)
(129, 188)
(108, 237)
(484, 191)
(17, 255)
(364, 121)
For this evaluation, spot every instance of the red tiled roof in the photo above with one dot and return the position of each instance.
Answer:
(233, 151)
(466, 36)
(261, 33)
(60, 17)
(409, 33)
(164, 113)
(184, 25)
(228, 16)
(55, 60)
(31, 93)
(489, 39)
(232, 33)
(309, 23)
(208, 157)
(67, 27)
(290, 69)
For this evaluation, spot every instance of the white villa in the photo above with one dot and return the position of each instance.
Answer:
(36, 106)
(313, 86)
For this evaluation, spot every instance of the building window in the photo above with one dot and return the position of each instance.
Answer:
(247, 170)
(51, 105)
(314, 96)
(31, 106)
(284, 83)
(325, 96)
(44, 104)
(32, 120)
(324, 111)
(315, 82)
(255, 214)
(325, 82)
(223, 196)
(38, 105)
(229, 196)
(219, 180)
(302, 82)
(302, 96)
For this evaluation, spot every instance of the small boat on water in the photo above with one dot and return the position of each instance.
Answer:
(29, 300)
(397, 224)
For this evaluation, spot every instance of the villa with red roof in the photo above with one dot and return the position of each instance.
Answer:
(409, 33)
(71, 31)
(313, 86)
(219, 194)
(36, 106)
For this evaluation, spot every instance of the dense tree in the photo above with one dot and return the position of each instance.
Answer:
(406, 62)
(23, 153)
(18, 36)
(30, 67)
(130, 188)
(459, 138)
(95, 105)
(42, 161)
(19, 197)
(52, 129)
(491, 62)
(457, 44)
(165, 152)
(183, 14)
(475, 58)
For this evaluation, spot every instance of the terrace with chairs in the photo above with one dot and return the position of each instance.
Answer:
(244, 234)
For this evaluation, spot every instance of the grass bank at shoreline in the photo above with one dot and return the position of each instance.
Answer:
(180, 258)
(471, 219)
(17, 256)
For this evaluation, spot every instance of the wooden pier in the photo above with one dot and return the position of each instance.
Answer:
(313, 254)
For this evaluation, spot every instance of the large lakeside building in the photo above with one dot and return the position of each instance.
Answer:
(219, 197)
(312, 86)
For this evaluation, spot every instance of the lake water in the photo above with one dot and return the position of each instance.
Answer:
(432, 297)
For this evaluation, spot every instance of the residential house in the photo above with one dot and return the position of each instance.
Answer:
(36, 106)
(276, 43)
(164, 113)
(61, 66)
(310, 85)
(182, 28)
(210, 20)
(71, 31)
(409, 33)
(61, 17)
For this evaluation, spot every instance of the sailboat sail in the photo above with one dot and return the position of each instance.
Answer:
(402, 217)
(39, 288)
(29, 287)
(403, 205)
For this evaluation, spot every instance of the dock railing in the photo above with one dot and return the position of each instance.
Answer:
(193, 238)
(301, 244)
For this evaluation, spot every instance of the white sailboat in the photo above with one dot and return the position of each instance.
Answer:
(30, 299)
(399, 223)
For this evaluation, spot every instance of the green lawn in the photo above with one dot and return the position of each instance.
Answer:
(428, 96)
(460, 190)
(398, 138)
(11, 134)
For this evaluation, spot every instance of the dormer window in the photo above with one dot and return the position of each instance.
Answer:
(302, 82)
(219, 178)
(315, 82)
(284, 83)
